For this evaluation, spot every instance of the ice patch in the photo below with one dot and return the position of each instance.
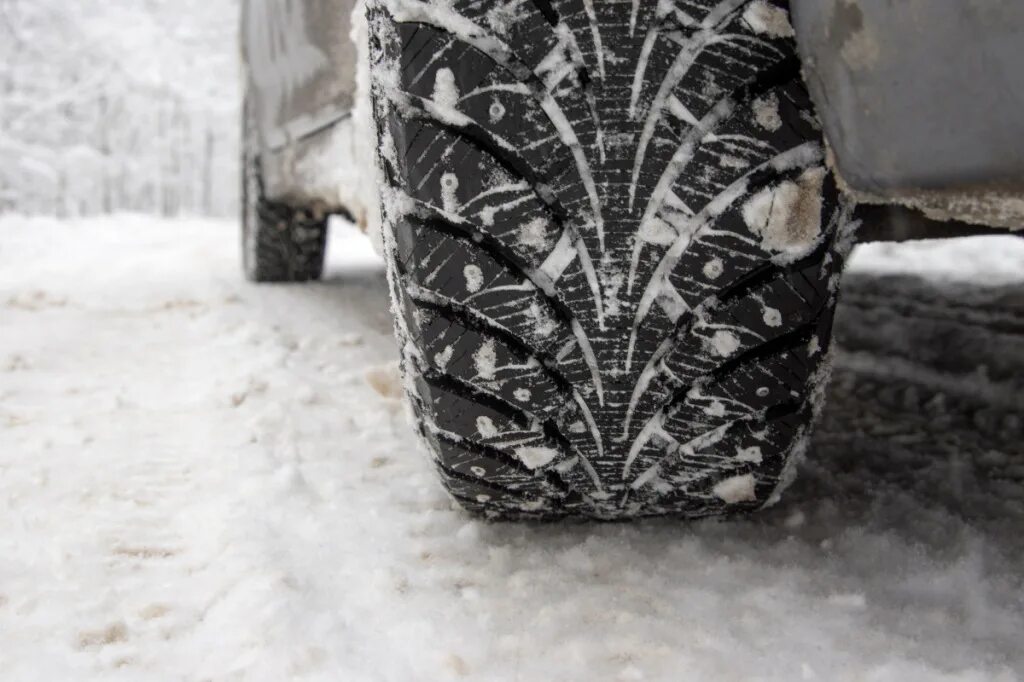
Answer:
(533, 234)
(767, 19)
(813, 346)
(715, 409)
(446, 93)
(766, 112)
(474, 278)
(543, 326)
(535, 457)
(487, 215)
(736, 489)
(444, 357)
(486, 359)
(657, 232)
(522, 394)
(787, 217)
(772, 317)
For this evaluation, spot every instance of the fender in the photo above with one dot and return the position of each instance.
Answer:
(921, 101)
(300, 80)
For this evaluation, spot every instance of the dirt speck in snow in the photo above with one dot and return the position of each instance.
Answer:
(385, 380)
(457, 665)
(111, 634)
(154, 611)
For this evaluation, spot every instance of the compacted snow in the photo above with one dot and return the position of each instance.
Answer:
(204, 479)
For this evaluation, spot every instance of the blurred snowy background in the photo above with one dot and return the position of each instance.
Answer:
(119, 106)
(202, 479)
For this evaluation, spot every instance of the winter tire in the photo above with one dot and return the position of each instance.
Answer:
(613, 249)
(280, 242)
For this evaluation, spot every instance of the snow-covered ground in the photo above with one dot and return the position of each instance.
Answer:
(202, 479)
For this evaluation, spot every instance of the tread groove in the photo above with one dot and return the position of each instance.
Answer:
(485, 450)
(465, 316)
(550, 429)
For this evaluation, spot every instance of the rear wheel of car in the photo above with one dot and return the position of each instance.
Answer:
(613, 248)
(280, 242)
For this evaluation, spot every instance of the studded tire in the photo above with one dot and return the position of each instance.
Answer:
(280, 242)
(613, 248)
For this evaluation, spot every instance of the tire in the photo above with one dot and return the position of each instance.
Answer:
(613, 249)
(280, 242)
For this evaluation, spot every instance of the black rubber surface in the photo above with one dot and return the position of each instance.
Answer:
(612, 250)
(280, 242)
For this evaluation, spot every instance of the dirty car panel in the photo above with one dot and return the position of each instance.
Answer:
(921, 101)
(300, 68)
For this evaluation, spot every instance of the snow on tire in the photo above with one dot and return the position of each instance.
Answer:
(280, 242)
(613, 250)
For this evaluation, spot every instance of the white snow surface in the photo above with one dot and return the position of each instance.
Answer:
(991, 260)
(205, 479)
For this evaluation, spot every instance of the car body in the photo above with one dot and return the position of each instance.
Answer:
(302, 85)
(920, 102)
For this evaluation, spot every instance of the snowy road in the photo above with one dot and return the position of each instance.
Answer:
(201, 479)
